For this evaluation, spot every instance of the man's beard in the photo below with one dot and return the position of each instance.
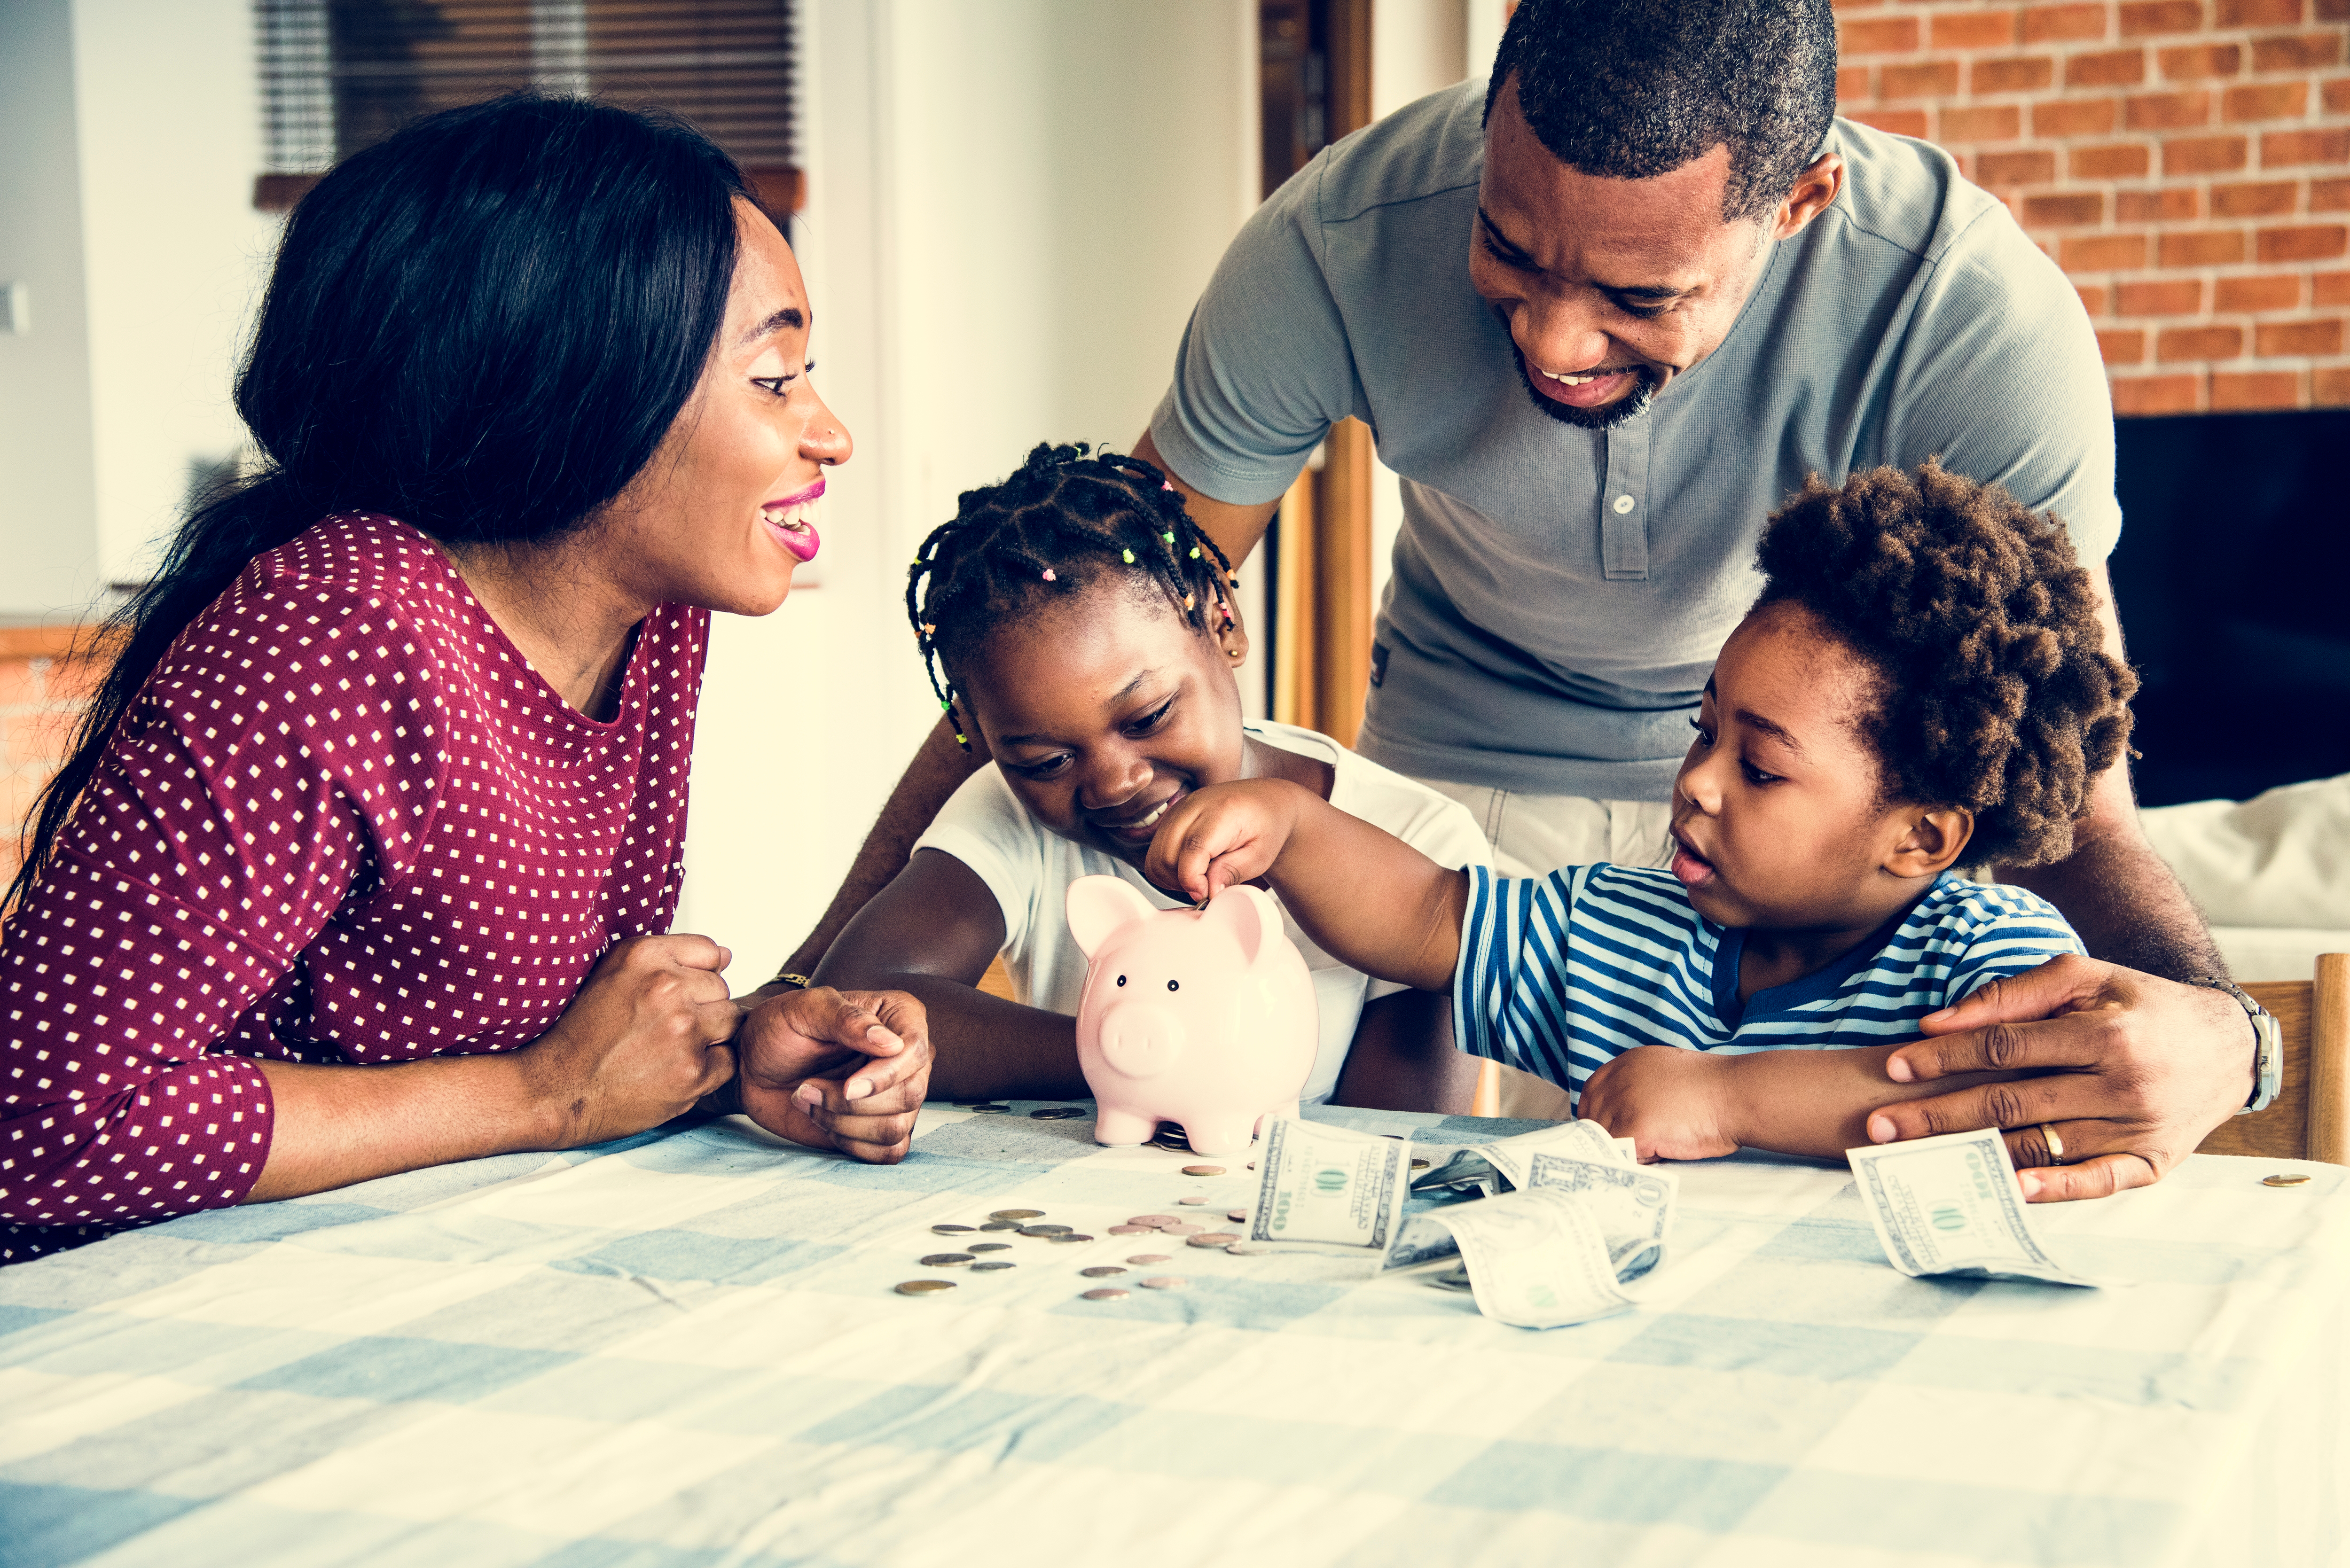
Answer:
(1629, 405)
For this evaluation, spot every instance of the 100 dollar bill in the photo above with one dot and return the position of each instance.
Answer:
(1950, 1204)
(1329, 1189)
(1536, 1258)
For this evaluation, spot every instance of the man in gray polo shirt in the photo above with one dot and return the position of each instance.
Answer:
(1601, 319)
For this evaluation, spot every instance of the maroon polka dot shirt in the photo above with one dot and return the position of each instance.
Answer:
(343, 821)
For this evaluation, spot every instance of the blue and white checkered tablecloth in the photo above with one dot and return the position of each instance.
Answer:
(684, 1349)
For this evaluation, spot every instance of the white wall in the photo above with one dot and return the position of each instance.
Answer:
(1418, 47)
(48, 505)
(1012, 208)
(174, 256)
(133, 130)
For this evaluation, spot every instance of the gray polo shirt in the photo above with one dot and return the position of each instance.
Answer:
(1559, 594)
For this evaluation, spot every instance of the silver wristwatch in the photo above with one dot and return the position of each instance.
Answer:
(2268, 1044)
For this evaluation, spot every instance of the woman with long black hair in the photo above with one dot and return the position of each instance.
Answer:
(365, 853)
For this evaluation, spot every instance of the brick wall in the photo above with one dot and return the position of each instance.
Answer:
(2186, 161)
(42, 689)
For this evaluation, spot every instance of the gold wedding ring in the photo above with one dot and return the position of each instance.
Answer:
(2055, 1144)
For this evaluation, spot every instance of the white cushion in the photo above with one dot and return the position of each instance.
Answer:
(2281, 858)
(2275, 952)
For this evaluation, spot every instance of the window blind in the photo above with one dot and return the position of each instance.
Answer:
(341, 75)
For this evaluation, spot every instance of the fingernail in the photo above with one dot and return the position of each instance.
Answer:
(1880, 1129)
(882, 1037)
(1935, 1017)
(858, 1088)
(2029, 1182)
(1897, 1069)
(809, 1095)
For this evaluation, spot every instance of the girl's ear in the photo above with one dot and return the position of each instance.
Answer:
(1932, 841)
(1232, 636)
(1099, 908)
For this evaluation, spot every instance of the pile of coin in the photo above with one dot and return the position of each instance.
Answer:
(985, 1107)
(1029, 1222)
(1056, 1112)
(1172, 1138)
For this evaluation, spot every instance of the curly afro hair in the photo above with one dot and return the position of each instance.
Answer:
(1994, 690)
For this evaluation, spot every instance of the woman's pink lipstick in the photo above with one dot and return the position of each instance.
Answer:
(792, 522)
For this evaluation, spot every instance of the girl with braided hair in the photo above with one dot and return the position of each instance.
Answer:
(1081, 631)
(1922, 679)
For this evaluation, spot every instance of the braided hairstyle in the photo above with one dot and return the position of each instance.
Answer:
(1995, 692)
(1067, 520)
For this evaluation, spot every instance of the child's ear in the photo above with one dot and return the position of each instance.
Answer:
(1229, 632)
(1932, 841)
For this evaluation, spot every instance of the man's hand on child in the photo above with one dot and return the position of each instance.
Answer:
(2125, 1103)
(1672, 1104)
(1223, 836)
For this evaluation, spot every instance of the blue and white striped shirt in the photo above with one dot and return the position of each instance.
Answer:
(1562, 973)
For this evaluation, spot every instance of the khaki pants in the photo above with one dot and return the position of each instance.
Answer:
(1535, 834)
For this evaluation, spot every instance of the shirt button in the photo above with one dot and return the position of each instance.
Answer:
(1623, 504)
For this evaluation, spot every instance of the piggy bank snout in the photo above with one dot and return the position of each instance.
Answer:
(1141, 1039)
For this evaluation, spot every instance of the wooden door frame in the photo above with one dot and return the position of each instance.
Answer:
(1320, 580)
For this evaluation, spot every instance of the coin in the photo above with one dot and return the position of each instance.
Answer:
(1101, 1271)
(1056, 1112)
(1194, 1201)
(988, 1110)
(1251, 1165)
(1236, 1214)
(1107, 1294)
(989, 1247)
(924, 1287)
(1148, 1258)
(1247, 1250)
(1165, 1283)
(1212, 1239)
(1044, 1229)
(1419, 1165)
(945, 1260)
(953, 1230)
(1203, 1170)
(1017, 1214)
(1181, 1229)
(1153, 1221)
(994, 1264)
(1072, 1236)
(2285, 1178)
(1131, 1230)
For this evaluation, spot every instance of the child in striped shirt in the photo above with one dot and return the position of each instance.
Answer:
(1923, 677)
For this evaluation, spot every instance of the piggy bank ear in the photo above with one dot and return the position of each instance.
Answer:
(1098, 906)
(1249, 915)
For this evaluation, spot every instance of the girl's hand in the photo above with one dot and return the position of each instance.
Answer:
(838, 1069)
(1672, 1104)
(642, 1041)
(1221, 835)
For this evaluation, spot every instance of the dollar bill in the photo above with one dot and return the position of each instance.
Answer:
(1633, 1206)
(1950, 1204)
(1501, 1166)
(1329, 1189)
(1534, 1259)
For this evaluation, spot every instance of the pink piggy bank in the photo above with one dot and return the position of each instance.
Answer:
(1204, 1017)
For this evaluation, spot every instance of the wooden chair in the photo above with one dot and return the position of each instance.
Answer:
(2311, 1117)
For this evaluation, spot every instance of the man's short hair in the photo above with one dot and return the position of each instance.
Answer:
(1628, 89)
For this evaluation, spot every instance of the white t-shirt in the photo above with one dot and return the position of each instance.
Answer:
(1029, 868)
